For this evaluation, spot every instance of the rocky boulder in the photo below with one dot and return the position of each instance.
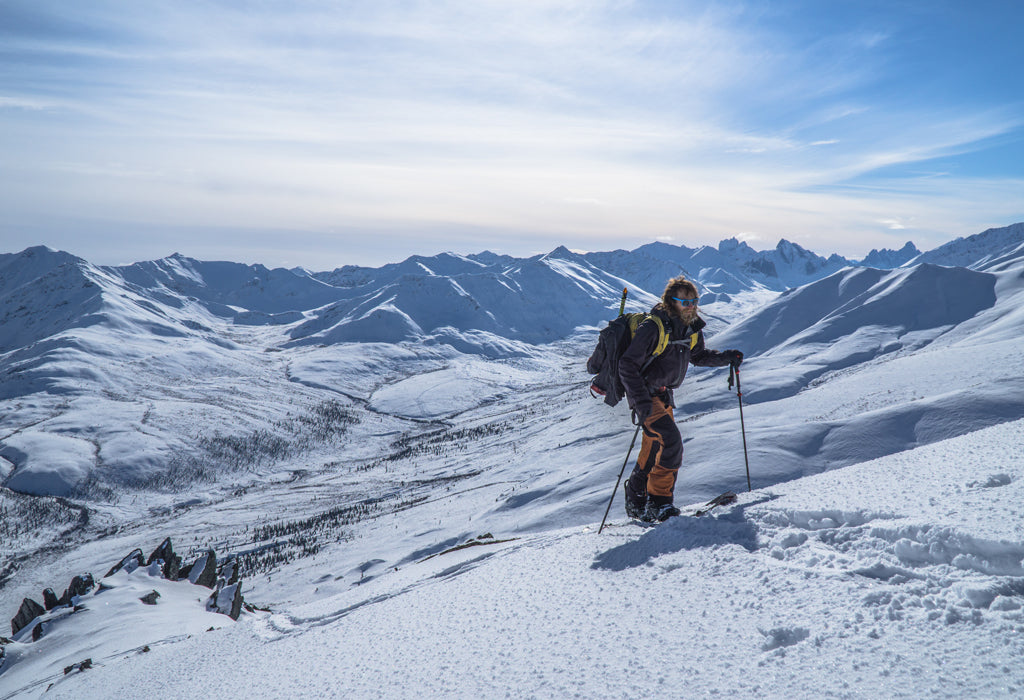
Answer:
(131, 562)
(203, 571)
(172, 562)
(28, 611)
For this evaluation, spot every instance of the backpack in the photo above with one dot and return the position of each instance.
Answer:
(611, 344)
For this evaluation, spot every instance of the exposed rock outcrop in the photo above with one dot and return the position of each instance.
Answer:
(204, 571)
(172, 562)
(131, 562)
(79, 586)
(28, 611)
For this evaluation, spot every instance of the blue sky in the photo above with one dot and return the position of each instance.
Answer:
(322, 133)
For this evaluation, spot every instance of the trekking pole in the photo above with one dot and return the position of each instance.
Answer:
(621, 472)
(622, 304)
(734, 373)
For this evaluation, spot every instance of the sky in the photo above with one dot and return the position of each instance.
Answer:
(322, 133)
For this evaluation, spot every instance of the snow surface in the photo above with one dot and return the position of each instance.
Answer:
(420, 516)
(900, 577)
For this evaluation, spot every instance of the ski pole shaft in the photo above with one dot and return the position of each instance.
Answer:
(617, 481)
(739, 395)
(622, 304)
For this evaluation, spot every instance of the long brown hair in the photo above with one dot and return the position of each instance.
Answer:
(677, 287)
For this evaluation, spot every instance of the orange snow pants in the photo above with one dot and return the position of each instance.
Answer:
(661, 455)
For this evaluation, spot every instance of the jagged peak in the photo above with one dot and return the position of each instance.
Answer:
(789, 247)
(735, 245)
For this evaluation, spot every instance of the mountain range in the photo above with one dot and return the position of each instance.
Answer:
(362, 439)
(140, 338)
(534, 300)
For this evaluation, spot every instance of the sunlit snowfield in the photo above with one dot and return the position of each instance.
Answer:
(879, 553)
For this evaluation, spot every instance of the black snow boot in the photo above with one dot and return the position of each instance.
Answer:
(635, 502)
(659, 512)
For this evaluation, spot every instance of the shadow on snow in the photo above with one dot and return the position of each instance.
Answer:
(682, 533)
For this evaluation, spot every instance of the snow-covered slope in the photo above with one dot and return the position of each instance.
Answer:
(982, 251)
(858, 314)
(340, 473)
(902, 578)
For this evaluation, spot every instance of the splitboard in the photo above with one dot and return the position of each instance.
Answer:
(720, 500)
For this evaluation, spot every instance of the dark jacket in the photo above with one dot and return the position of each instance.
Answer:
(667, 370)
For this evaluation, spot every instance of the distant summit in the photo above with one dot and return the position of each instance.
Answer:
(887, 259)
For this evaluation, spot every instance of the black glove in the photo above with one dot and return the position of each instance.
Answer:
(735, 357)
(642, 413)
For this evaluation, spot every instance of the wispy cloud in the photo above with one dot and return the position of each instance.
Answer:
(591, 122)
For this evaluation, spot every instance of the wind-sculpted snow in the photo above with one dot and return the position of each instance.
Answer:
(901, 577)
(982, 251)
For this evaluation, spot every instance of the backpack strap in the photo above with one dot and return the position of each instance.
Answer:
(663, 342)
(637, 319)
(662, 337)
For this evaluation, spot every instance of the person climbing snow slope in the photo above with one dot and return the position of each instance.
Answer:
(650, 374)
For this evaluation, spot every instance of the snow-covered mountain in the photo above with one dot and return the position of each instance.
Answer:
(536, 300)
(889, 259)
(983, 251)
(83, 340)
(246, 293)
(731, 268)
(402, 443)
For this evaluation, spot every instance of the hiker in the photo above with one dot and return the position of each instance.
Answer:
(649, 380)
